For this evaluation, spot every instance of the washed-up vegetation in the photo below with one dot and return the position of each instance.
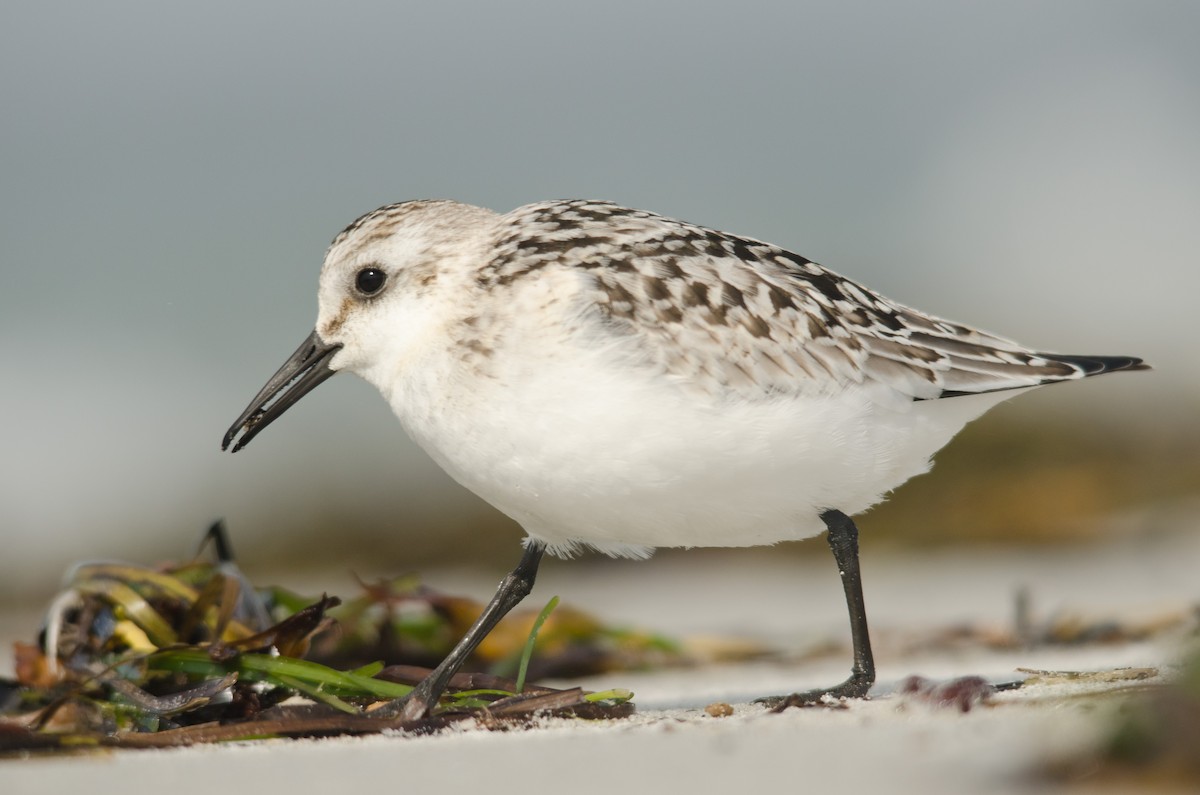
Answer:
(137, 656)
(1152, 741)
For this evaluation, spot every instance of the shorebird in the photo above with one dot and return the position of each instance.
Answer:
(617, 380)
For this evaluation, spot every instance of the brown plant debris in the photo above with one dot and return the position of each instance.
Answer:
(148, 657)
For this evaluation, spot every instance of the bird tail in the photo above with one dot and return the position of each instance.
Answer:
(1097, 365)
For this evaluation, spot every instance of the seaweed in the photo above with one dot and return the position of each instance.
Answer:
(135, 656)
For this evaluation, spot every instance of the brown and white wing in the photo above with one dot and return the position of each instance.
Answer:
(739, 317)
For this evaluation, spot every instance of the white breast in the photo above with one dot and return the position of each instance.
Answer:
(582, 444)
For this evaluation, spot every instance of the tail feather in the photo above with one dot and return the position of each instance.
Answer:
(1095, 365)
(1080, 367)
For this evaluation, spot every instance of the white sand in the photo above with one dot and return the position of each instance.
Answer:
(889, 744)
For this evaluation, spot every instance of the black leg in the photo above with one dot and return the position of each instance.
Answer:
(513, 588)
(843, 540)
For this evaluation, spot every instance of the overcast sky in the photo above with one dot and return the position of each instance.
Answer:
(170, 175)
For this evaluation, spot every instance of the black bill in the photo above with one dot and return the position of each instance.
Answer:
(306, 368)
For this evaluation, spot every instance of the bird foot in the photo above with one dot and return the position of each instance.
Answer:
(854, 687)
(406, 709)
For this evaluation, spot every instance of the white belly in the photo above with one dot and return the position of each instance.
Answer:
(582, 451)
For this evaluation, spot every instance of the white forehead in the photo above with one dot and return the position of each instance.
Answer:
(407, 231)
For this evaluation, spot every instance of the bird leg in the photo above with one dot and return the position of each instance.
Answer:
(513, 588)
(843, 540)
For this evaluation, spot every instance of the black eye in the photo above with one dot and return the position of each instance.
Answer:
(370, 280)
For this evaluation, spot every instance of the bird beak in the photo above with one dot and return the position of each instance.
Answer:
(300, 374)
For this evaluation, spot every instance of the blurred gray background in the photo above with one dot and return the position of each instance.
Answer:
(170, 175)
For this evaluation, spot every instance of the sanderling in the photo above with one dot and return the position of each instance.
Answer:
(614, 379)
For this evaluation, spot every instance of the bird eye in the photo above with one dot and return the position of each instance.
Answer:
(370, 280)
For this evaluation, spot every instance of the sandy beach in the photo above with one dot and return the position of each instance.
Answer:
(892, 742)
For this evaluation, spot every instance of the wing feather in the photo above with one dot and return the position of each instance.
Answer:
(736, 316)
